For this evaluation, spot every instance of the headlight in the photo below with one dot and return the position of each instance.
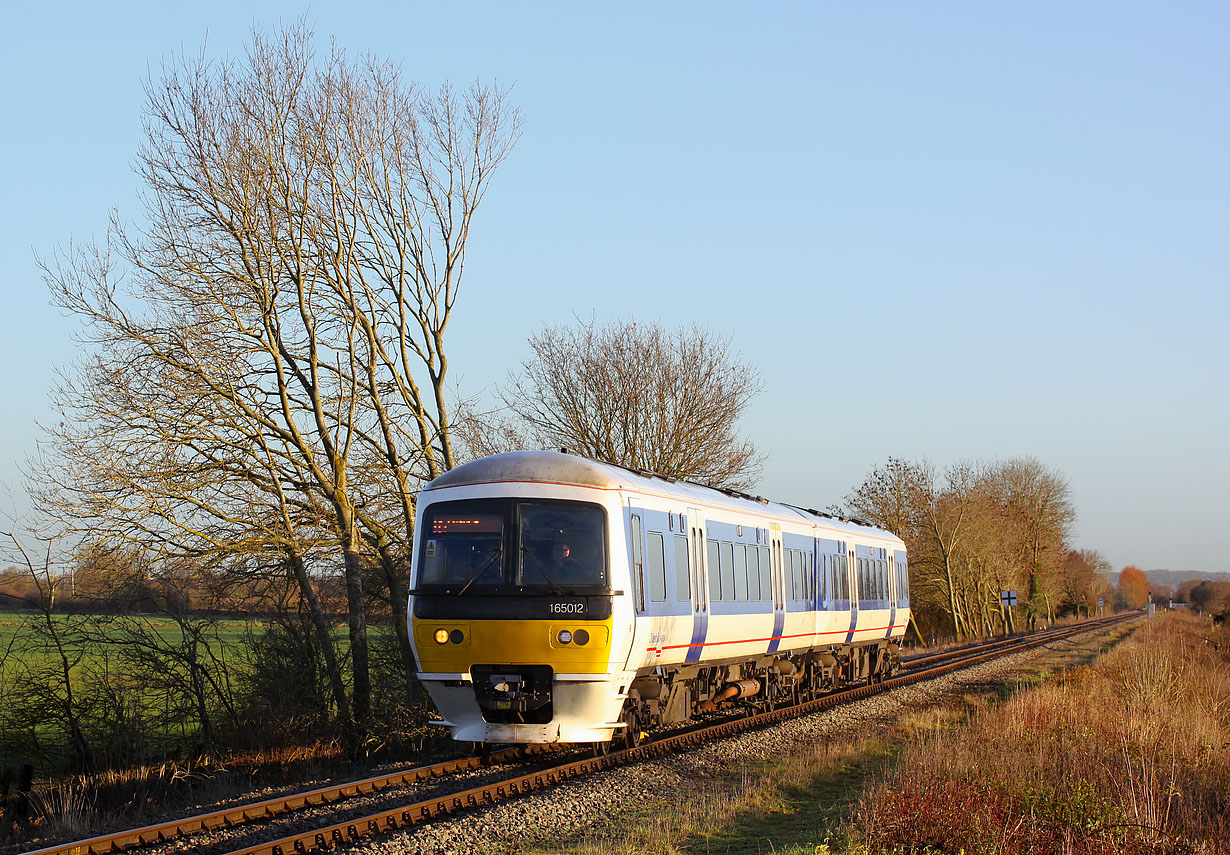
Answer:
(581, 637)
(564, 636)
(441, 636)
(456, 636)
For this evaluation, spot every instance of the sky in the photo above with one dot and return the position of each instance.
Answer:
(943, 231)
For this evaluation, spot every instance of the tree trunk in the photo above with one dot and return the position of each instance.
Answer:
(399, 599)
(323, 637)
(357, 623)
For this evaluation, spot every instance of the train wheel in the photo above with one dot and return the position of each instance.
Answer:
(632, 733)
(601, 749)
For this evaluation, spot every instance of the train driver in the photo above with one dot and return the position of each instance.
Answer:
(565, 568)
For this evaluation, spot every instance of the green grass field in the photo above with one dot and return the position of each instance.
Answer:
(23, 633)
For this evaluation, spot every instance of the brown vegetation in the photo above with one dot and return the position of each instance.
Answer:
(1129, 755)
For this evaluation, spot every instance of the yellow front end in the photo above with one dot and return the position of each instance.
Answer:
(520, 681)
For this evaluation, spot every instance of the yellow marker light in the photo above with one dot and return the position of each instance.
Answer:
(441, 636)
(564, 636)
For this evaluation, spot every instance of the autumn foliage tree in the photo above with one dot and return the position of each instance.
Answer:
(973, 531)
(1133, 587)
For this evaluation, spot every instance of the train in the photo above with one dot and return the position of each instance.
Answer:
(559, 599)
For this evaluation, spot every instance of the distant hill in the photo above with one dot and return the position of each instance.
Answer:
(1175, 578)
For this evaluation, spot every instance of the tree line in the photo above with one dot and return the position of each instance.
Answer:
(977, 530)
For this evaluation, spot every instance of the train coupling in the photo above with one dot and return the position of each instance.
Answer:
(513, 693)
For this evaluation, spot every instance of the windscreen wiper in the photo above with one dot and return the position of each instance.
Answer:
(525, 550)
(480, 571)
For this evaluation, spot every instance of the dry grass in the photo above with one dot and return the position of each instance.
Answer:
(78, 805)
(1129, 755)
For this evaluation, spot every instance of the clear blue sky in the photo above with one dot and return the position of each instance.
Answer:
(1010, 224)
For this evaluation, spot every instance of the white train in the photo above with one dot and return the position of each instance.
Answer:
(558, 599)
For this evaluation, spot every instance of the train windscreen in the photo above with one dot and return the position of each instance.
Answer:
(486, 544)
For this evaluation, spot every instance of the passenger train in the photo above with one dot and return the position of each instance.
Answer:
(556, 599)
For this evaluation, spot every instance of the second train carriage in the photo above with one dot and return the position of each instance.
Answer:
(559, 599)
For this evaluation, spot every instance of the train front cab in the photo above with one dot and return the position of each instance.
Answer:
(514, 616)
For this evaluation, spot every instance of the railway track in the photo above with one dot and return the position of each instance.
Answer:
(261, 816)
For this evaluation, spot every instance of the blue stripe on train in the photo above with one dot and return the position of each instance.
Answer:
(779, 624)
(700, 627)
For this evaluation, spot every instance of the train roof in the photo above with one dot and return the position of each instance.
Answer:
(553, 467)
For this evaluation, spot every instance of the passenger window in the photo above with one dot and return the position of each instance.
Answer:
(683, 573)
(728, 570)
(753, 573)
(766, 580)
(657, 567)
(715, 582)
(740, 572)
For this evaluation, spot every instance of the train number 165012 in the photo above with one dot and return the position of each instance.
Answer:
(568, 608)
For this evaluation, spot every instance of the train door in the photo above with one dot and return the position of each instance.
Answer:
(700, 590)
(816, 580)
(892, 595)
(852, 583)
(778, 587)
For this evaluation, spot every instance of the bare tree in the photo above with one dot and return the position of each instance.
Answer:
(638, 395)
(272, 375)
(1085, 580)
